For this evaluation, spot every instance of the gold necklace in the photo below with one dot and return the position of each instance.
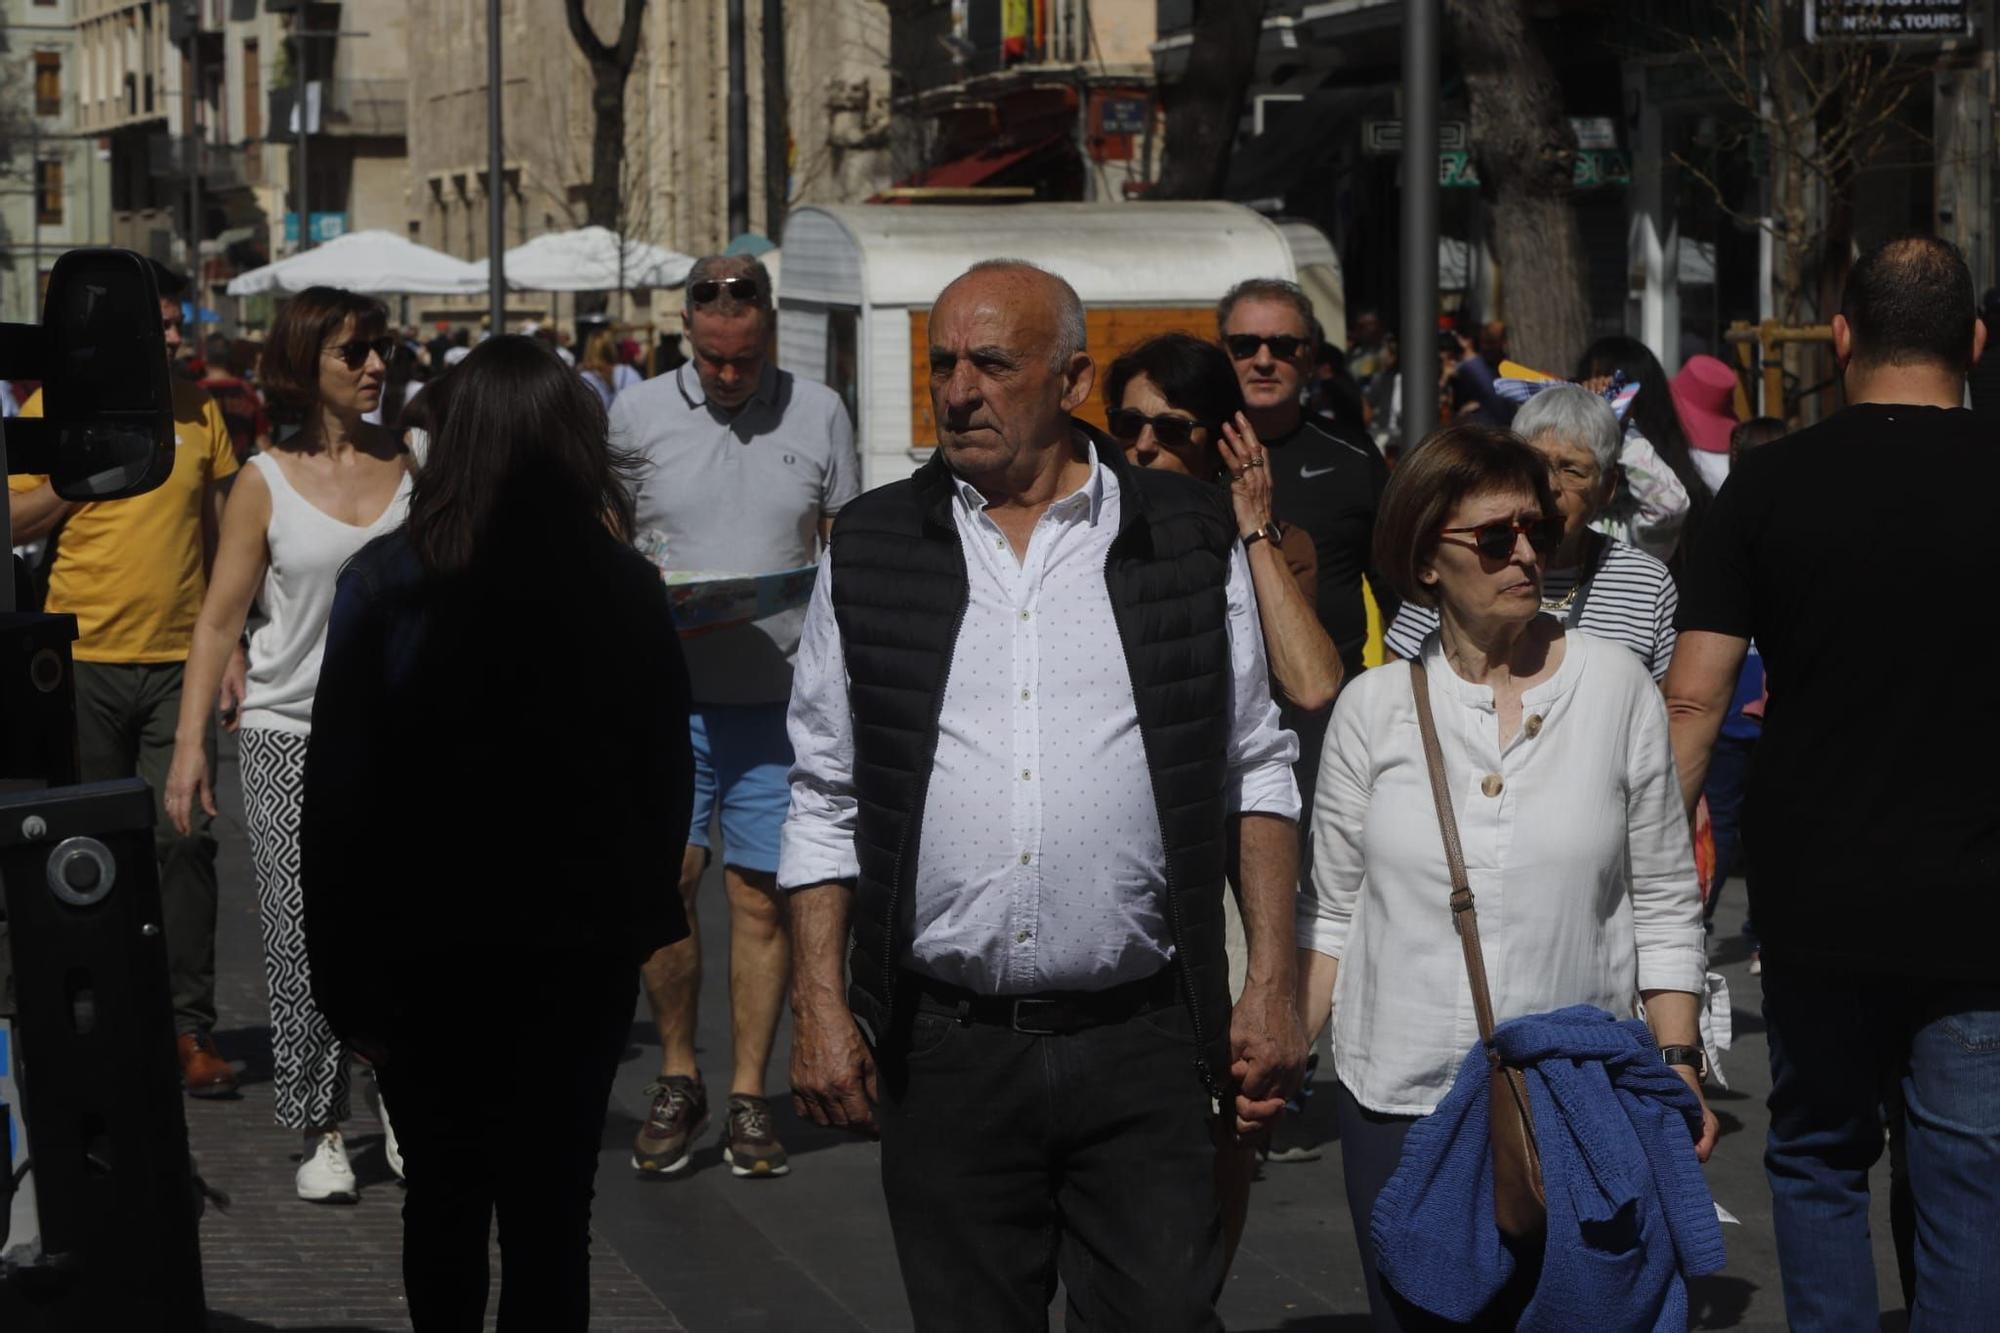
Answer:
(1584, 571)
(1556, 608)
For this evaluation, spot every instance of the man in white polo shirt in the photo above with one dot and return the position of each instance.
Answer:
(745, 466)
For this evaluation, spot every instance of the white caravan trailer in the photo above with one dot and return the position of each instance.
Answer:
(858, 280)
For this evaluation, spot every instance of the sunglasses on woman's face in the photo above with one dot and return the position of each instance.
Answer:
(1173, 432)
(354, 355)
(708, 289)
(1243, 346)
(1495, 540)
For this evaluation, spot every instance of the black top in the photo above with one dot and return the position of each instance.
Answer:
(1330, 486)
(500, 771)
(1860, 556)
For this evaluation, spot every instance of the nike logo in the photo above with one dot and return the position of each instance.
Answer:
(1307, 473)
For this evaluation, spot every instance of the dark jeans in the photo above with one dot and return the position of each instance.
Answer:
(125, 720)
(1841, 1048)
(1371, 1145)
(1007, 1158)
(503, 1111)
(1728, 772)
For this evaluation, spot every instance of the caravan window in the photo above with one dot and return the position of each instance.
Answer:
(843, 359)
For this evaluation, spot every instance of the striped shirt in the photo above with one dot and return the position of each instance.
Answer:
(1629, 599)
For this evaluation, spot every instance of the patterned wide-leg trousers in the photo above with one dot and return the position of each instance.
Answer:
(309, 1078)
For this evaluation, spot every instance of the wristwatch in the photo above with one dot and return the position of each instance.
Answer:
(1692, 1057)
(1272, 532)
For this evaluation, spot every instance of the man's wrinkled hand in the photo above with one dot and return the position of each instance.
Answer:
(1267, 1046)
(833, 1072)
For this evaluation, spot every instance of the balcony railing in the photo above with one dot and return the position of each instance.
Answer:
(349, 108)
(171, 157)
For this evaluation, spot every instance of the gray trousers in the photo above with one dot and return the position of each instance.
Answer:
(125, 719)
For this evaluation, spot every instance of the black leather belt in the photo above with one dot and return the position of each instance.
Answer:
(1052, 1013)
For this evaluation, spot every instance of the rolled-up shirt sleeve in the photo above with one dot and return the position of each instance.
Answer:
(817, 846)
(1340, 810)
(1261, 750)
(1666, 895)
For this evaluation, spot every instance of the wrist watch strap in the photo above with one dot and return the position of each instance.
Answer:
(1694, 1057)
(1270, 532)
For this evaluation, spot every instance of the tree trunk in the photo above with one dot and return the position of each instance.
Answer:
(610, 65)
(1526, 153)
(607, 144)
(1205, 104)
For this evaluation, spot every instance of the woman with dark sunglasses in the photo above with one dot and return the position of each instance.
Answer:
(329, 483)
(1173, 402)
(1556, 762)
(1592, 580)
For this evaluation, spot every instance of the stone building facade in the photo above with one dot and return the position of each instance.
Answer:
(675, 180)
(55, 184)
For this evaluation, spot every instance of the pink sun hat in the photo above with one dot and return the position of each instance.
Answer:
(1705, 395)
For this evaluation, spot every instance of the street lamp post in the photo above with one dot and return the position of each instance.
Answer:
(496, 205)
(302, 109)
(1420, 219)
(739, 125)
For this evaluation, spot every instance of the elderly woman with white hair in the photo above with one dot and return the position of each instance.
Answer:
(1596, 583)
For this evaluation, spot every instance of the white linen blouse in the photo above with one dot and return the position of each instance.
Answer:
(1575, 843)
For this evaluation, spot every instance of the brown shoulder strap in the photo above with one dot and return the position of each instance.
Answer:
(1464, 917)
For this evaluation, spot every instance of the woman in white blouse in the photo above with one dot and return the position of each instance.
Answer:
(1575, 841)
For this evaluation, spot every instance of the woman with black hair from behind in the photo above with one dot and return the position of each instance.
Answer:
(502, 719)
(1655, 417)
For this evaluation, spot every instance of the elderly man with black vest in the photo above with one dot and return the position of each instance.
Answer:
(1034, 733)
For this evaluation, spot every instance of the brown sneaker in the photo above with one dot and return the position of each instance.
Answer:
(677, 1117)
(203, 1069)
(748, 1144)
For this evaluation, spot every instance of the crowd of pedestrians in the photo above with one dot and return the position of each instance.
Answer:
(1065, 709)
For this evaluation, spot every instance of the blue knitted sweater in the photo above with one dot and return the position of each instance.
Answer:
(1630, 1215)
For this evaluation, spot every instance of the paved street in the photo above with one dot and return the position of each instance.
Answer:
(710, 1252)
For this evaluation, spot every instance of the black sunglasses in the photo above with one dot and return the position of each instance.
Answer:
(708, 289)
(1174, 432)
(1243, 346)
(1495, 540)
(354, 355)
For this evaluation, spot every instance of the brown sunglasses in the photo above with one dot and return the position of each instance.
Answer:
(1495, 540)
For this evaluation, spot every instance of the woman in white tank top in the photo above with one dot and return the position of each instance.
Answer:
(294, 518)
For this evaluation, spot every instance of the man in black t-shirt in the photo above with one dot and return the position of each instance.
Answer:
(1871, 824)
(1326, 482)
(1322, 478)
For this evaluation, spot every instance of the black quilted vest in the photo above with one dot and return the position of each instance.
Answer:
(899, 593)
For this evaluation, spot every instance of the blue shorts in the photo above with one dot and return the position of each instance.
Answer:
(742, 757)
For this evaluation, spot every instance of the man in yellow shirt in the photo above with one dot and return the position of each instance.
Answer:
(133, 573)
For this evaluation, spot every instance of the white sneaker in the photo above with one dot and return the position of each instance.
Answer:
(325, 1175)
(391, 1151)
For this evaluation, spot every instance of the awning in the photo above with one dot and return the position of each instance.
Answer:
(975, 174)
(377, 262)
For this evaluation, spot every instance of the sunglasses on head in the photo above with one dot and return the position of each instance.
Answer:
(354, 355)
(1495, 540)
(1174, 432)
(709, 289)
(1243, 346)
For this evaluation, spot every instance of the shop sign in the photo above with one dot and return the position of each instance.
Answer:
(1887, 20)
(1595, 169)
(325, 227)
(1384, 138)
